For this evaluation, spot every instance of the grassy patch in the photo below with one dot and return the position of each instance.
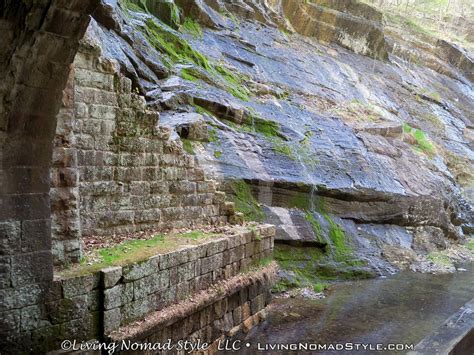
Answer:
(189, 74)
(311, 267)
(271, 131)
(217, 154)
(245, 202)
(461, 167)
(434, 120)
(267, 128)
(421, 142)
(299, 261)
(320, 287)
(129, 250)
(139, 6)
(299, 200)
(135, 250)
(439, 258)
(214, 136)
(357, 111)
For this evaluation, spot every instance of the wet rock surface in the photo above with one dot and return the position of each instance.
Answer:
(381, 146)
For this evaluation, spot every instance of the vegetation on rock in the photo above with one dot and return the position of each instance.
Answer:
(135, 250)
(419, 140)
(192, 27)
(245, 202)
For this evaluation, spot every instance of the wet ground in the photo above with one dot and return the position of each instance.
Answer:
(403, 308)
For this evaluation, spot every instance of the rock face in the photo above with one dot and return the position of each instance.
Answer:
(318, 108)
(350, 24)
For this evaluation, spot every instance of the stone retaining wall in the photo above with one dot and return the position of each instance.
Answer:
(115, 170)
(231, 309)
(133, 291)
(90, 306)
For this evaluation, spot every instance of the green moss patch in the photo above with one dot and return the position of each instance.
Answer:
(235, 83)
(470, 244)
(338, 238)
(245, 202)
(316, 226)
(311, 267)
(192, 27)
(178, 50)
(188, 146)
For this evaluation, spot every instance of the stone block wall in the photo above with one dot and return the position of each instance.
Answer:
(115, 169)
(136, 290)
(94, 305)
(228, 312)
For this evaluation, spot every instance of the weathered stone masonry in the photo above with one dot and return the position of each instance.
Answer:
(92, 306)
(39, 40)
(115, 170)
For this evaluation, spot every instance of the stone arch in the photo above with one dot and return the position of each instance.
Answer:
(39, 40)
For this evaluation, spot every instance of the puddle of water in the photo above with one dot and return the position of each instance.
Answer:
(403, 308)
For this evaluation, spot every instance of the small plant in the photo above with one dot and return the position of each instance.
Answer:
(217, 154)
(178, 50)
(320, 287)
(421, 142)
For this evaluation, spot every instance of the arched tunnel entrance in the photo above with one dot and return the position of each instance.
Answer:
(39, 41)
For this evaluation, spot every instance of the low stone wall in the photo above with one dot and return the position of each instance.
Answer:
(133, 291)
(90, 306)
(231, 308)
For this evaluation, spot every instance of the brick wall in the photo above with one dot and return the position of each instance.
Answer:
(115, 170)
